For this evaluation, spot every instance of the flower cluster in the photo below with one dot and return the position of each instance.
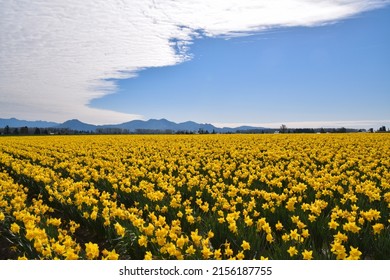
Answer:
(196, 196)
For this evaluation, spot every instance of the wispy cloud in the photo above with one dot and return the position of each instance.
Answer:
(56, 56)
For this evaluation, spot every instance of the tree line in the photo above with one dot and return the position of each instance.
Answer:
(283, 129)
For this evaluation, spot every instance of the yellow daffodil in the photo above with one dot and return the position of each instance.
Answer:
(292, 251)
(91, 250)
(354, 254)
(279, 226)
(240, 255)
(245, 245)
(333, 224)
(307, 255)
(190, 250)
(143, 241)
(378, 227)
(15, 228)
(119, 229)
(148, 256)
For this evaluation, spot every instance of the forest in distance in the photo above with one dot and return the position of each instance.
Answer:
(25, 130)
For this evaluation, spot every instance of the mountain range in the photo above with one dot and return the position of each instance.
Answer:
(131, 126)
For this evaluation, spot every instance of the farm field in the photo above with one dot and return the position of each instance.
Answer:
(323, 196)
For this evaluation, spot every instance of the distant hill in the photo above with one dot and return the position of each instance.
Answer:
(164, 124)
(131, 126)
(77, 125)
(21, 123)
(154, 124)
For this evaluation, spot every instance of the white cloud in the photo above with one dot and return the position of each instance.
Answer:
(56, 56)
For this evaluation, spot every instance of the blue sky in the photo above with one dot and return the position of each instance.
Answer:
(336, 72)
(255, 62)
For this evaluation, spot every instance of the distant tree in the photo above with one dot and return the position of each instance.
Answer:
(322, 130)
(382, 129)
(16, 131)
(24, 130)
(371, 130)
(283, 128)
(37, 131)
(303, 130)
(342, 130)
(7, 130)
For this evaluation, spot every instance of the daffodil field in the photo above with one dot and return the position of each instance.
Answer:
(323, 196)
